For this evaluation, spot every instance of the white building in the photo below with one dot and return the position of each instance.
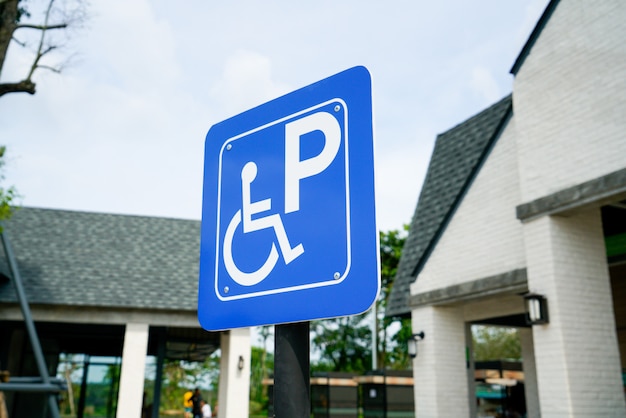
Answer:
(103, 285)
(529, 196)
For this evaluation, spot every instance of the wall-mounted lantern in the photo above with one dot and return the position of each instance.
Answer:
(412, 343)
(536, 309)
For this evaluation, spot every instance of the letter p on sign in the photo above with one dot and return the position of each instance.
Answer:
(296, 169)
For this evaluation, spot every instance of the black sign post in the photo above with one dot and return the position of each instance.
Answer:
(292, 384)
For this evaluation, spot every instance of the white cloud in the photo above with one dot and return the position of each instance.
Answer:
(531, 14)
(123, 130)
(485, 84)
(129, 46)
(246, 81)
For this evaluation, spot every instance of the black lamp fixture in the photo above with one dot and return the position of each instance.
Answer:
(240, 363)
(536, 309)
(412, 343)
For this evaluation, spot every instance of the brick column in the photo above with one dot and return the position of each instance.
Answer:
(234, 390)
(130, 397)
(531, 393)
(577, 359)
(439, 369)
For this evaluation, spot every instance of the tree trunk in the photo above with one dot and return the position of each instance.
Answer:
(8, 23)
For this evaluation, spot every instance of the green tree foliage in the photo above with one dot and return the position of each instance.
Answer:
(397, 356)
(7, 195)
(391, 244)
(177, 379)
(68, 370)
(495, 343)
(100, 397)
(391, 351)
(261, 362)
(344, 343)
(180, 376)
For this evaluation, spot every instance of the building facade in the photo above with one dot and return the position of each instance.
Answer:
(107, 286)
(529, 198)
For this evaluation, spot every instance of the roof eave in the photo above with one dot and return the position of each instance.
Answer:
(530, 42)
(492, 141)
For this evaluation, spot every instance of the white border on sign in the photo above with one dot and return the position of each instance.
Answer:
(330, 282)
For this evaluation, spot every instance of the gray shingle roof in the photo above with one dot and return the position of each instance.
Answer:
(104, 260)
(456, 158)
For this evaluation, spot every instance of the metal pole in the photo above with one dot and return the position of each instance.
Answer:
(292, 383)
(30, 324)
(31, 387)
(80, 413)
(375, 338)
(158, 379)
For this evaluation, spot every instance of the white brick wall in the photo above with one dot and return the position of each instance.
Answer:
(578, 366)
(570, 98)
(502, 305)
(484, 237)
(569, 126)
(570, 113)
(439, 369)
(533, 410)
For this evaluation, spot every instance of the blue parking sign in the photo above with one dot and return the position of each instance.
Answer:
(288, 220)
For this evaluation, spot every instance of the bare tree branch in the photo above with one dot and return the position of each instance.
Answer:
(49, 68)
(41, 27)
(24, 86)
(44, 37)
(40, 52)
(48, 49)
(20, 43)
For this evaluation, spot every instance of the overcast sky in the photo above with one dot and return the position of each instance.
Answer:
(122, 128)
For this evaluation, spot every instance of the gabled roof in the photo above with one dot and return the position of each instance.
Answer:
(69, 258)
(456, 158)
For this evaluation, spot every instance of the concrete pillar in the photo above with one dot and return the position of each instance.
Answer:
(234, 390)
(470, 370)
(577, 359)
(531, 393)
(130, 398)
(439, 369)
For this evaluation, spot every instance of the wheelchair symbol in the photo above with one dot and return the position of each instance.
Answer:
(295, 170)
